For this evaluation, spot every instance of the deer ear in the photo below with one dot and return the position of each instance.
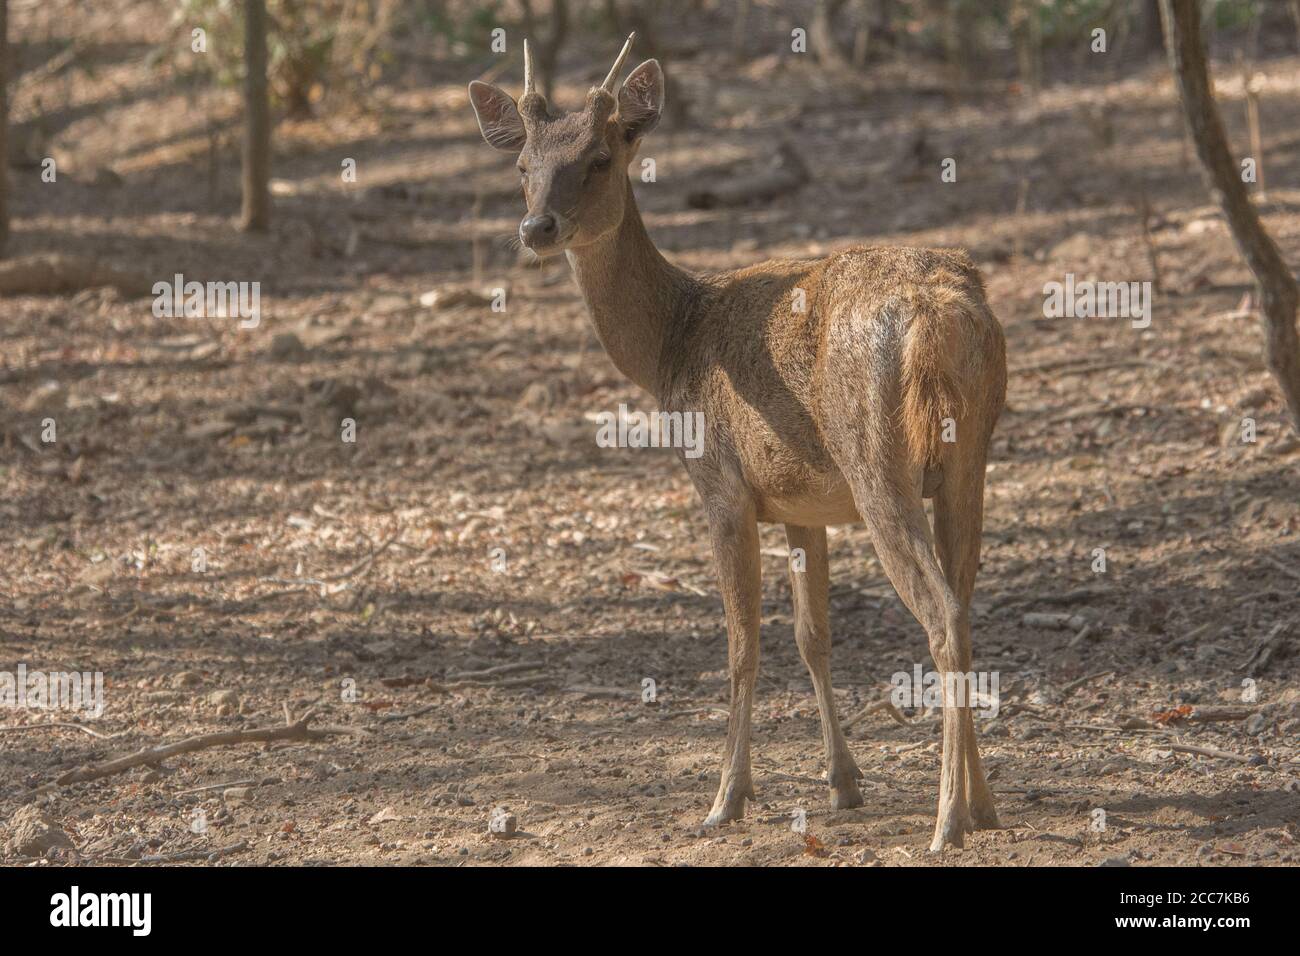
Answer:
(498, 117)
(641, 99)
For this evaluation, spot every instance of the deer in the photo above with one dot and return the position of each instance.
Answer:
(840, 390)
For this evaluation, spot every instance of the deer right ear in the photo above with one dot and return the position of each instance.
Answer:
(498, 117)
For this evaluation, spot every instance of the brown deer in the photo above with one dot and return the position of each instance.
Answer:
(830, 389)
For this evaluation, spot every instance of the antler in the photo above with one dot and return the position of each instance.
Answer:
(528, 69)
(610, 85)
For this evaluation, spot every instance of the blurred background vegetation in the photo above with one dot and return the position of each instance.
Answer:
(340, 48)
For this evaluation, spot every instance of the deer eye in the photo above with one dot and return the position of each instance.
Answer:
(597, 164)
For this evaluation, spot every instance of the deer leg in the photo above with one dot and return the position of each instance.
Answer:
(895, 517)
(734, 531)
(958, 524)
(811, 588)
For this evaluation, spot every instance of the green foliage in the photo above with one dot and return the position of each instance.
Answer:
(300, 44)
(1234, 14)
(464, 24)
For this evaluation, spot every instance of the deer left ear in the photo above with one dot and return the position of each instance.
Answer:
(641, 100)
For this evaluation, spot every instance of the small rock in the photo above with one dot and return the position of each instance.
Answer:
(537, 397)
(389, 305)
(234, 796)
(1149, 613)
(285, 346)
(187, 679)
(33, 833)
(219, 697)
(1074, 249)
(503, 825)
(412, 362)
(214, 428)
(47, 397)
(1114, 861)
(450, 297)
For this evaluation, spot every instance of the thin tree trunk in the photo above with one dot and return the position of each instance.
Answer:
(4, 126)
(823, 34)
(636, 18)
(1278, 295)
(547, 47)
(1026, 34)
(1148, 26)
(256, 213)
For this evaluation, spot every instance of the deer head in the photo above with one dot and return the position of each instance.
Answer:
(573, 166)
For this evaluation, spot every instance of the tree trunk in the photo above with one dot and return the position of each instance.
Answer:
(4, 126)
(1150, 38)
(823, 35)
(1278, 295)
(547, 47)
(957, 22)
(256, 213)
(636, 19)
(1026, 35)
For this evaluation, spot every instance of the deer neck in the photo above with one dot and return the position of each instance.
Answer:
(633, 294)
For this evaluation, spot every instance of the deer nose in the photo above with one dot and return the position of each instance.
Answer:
(538, 230)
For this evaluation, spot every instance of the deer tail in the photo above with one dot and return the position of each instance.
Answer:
(931, 386)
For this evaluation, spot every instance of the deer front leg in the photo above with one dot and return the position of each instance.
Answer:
(810, 585)
(734, 531)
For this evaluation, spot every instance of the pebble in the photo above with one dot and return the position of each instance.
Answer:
(503, 826)
(224, 697)
(286, 345)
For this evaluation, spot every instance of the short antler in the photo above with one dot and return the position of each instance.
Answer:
(610, 85)
(528, 69)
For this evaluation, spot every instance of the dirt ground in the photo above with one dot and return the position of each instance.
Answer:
(325, 562)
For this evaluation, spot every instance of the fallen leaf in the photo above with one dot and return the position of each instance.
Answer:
(813, 846)
(1163, 717)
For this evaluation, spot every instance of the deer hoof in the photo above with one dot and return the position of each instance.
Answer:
(950, 833)
(729, 807)
(985, 818)
(846, 796)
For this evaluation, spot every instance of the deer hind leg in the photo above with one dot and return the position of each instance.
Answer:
(734, 532)
(958, 524)
(811, 589)
(890, 504)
